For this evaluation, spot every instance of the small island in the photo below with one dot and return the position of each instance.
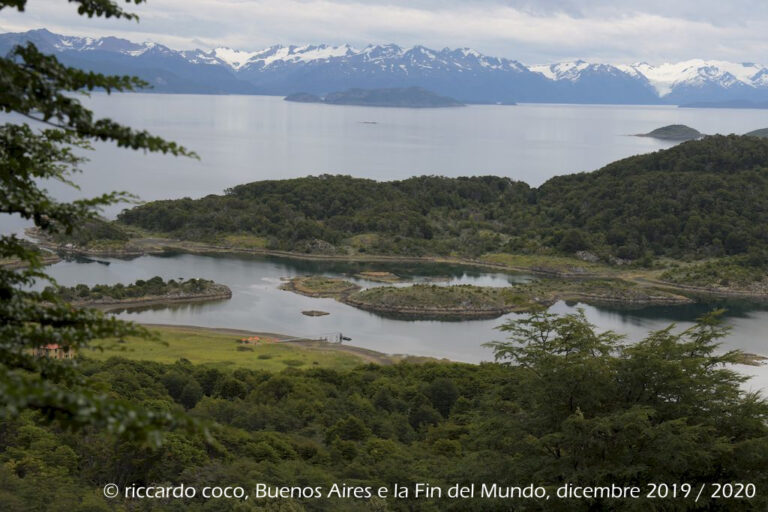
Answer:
(675, 132)
(315, 312)
(319, 286)
(433, 301)
(153, 291)
(470, 301)
(410, 97)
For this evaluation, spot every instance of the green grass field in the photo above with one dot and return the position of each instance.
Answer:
(550, 262)
(220, 349)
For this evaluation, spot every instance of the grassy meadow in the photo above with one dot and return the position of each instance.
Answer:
(220, 349)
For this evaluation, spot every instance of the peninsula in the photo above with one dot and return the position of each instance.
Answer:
(154, 291)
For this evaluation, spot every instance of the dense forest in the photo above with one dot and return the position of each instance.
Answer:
(574, 406)
(705, 198)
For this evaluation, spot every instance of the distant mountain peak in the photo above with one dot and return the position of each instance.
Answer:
(463, 73)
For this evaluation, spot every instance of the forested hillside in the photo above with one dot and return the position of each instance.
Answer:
(699, 199)
(575, 407)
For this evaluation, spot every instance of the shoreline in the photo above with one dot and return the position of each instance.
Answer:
(453, 313)
(433, 313)
(164, 246)
(367, 355)
(153, 300)
(430, 309)
(48, 259)
(167, 245)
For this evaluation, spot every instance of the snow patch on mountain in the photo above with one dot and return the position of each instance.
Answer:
(233, 58)
(461, 72)
(237, 59)
(562, 70)
(308, 53)
(697, 72)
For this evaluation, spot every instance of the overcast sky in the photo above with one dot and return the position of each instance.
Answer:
(532, 31)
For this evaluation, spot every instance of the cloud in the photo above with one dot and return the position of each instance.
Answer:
(527, 30)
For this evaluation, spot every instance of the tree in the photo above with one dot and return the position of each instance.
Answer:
(573, 241)
(442, 393)
(598, 412)
(43, 92)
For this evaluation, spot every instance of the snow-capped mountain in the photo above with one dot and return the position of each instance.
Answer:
(461, 73)
(238, 60)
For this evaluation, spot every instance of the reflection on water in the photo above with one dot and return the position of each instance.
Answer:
(258, 304)
(189, 308)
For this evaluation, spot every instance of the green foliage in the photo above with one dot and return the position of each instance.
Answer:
(39, 88)
(567, 404)
(674, 132)
(219, 350)
(459, 298)
(320, 286)
(155, 287)
(469, 300)
(415, 216)
(743, 271)
(93, 230)
(698, 199)
(705, 198)
(599, 411)
(762, 132)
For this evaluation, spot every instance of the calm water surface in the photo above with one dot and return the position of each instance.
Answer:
(258, 304)
(248, 138)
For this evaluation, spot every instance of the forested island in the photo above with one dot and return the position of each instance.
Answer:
(690, 216)
(142, 293)
(409, 97)
(469, 301)
(674, 132)
(319, 286)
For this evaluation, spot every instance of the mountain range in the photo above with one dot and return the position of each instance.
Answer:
(464, 74)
